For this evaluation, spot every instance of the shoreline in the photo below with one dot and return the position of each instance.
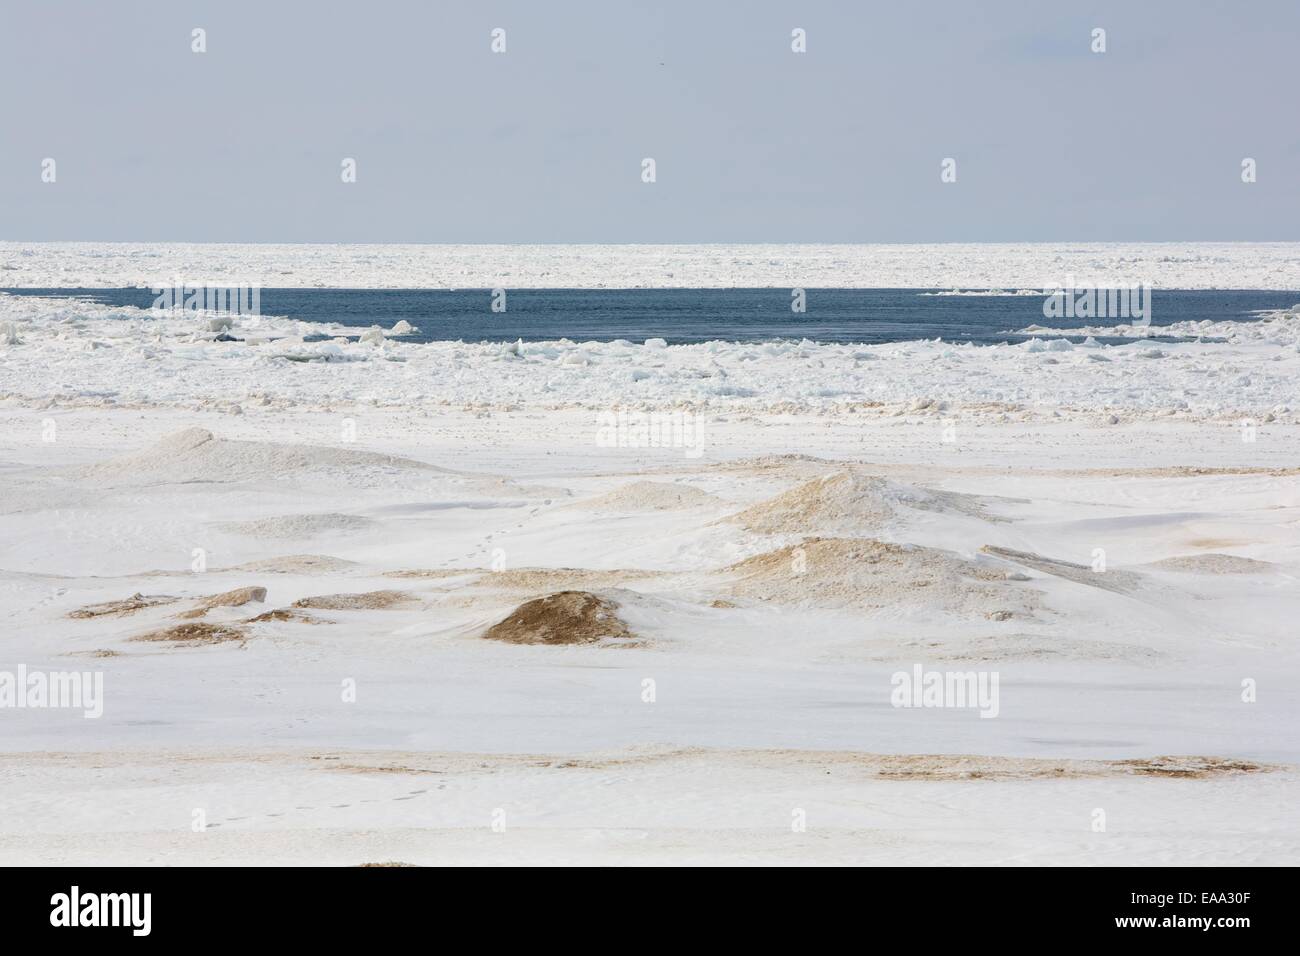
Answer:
(132, 357)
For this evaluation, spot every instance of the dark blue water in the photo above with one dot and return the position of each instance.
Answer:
(700, 315)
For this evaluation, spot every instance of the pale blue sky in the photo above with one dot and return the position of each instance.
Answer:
(753, 142)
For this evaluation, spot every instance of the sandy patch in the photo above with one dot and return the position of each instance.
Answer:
(195, 634)
(366, 601)
(435, 574)
(566, 617)
(847, 503)
(934, 767)
(285, 614)
(1183, 471)
(135, 602)
(961, 767)
(1019, 646)
(864, 572)
(1218, 542)
(563, 579)
(1213, 563)
(793, 464)
(236, 598)
(296, 564)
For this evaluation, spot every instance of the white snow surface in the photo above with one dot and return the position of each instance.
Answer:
(762, 707)
(1010, 267)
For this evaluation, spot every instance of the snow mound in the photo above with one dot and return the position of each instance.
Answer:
(864, 572)
(196, 455)
(650, 496)
(367, 601)
(847, 503)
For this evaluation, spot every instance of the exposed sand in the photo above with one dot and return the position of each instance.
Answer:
(192, 635)
(1213, 563)
(234, 598)
(848, 502)
(867, 573)
(369, 601)
(124, 606)
(566, 617)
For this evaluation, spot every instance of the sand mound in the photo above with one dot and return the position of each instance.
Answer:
(120, 608)
(650, 496)
(367, 601)
(236, 598)
(194, 634)
(296, 564)
(1121, 582)
(298, 526)
(793, 464)
(196, 455)
(1213, 563)
(847, 503)
(566, 617)
(864, 572)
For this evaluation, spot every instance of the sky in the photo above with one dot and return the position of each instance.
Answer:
(752, 142)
